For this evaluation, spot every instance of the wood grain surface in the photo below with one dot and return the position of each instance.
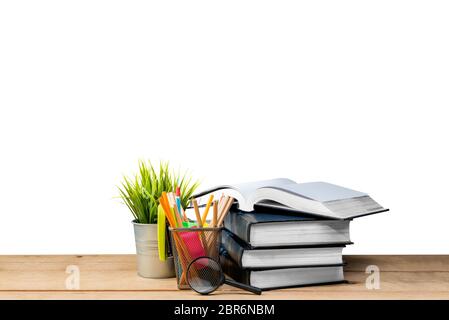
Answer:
(114, 277)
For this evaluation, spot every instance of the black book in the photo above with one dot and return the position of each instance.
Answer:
(262, 229)
(262, 258)
(282, 277)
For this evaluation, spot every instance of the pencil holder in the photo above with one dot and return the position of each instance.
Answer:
(191, 243)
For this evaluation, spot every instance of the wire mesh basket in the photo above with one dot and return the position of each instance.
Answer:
(191, 243)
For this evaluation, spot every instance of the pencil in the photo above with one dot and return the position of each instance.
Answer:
(178, 216)
(215, 214)
(200, 224)
(222, 203)
(225, 211)
(183, 253)
(184, 216)
(213, 235)
(167, 208)
(206, 211)
(163, 201)
(170, 202)
(197, 213)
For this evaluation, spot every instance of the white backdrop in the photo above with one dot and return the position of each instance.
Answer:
(350, 92)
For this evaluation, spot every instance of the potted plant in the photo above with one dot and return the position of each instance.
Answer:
(141, 194)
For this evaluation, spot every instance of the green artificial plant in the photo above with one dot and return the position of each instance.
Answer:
(142, 191)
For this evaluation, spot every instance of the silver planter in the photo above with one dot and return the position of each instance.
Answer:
(148, 263)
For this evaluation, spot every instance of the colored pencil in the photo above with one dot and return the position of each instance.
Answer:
(225, 211)
(200, 224)
(197, 213)
(206, 211)
(178, 216)
(215, 214)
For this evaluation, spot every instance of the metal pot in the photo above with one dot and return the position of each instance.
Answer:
(148, 263)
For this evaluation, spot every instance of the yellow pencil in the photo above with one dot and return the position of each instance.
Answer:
(206, 211)
(200, 224)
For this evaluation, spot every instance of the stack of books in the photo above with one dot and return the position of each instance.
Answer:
(281, 234)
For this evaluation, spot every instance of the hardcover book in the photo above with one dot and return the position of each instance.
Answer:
(280, 230)
(284, 277)
(317, 198)
(247, 258)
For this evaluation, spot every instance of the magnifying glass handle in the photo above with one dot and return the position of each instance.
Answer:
(243, 286)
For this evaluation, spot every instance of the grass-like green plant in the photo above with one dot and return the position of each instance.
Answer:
(141, 192)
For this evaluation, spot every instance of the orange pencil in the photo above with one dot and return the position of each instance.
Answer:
(166, 206)
(167, 213)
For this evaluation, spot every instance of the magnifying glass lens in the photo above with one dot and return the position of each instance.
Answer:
(204, 275)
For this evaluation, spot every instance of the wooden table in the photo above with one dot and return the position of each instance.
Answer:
(114, 277)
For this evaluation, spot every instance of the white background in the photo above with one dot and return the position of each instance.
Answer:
(349, 92)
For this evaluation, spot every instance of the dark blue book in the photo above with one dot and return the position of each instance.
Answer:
(266, 279)
(264, 229)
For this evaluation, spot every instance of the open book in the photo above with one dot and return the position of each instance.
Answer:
(317, 198)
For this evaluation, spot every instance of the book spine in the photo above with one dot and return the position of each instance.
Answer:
(231, 269)
(239, 226)
(233, 248)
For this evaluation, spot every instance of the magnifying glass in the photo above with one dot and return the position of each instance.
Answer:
(205, 275)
